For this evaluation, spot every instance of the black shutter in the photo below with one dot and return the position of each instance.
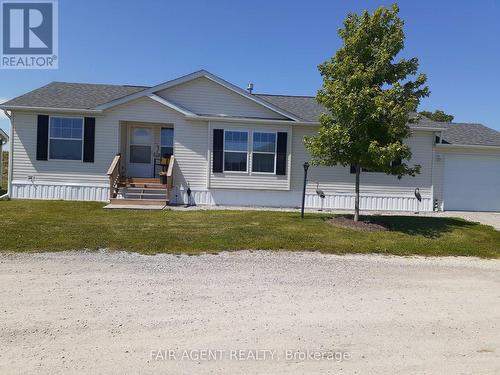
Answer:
(218, 151)
(353, 169)
(281, 154)
(88, 139)
(42, 137)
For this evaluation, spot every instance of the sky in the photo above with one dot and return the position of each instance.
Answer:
(277, 45)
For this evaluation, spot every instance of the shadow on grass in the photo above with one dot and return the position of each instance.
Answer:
(429, 227)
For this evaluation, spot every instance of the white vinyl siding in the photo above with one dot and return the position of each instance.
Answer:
(193, 154)
(205, 97)
(338, 179)
(1, 162)
(190, 147)
(60, 171)
(190, 138)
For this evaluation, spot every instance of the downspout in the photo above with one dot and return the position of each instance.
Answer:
(9, 167)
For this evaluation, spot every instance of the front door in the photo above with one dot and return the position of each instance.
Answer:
(140, 160)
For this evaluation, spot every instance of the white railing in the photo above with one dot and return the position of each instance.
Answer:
(114, 175)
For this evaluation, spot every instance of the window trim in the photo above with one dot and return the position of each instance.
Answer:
(67, 139)
(246, 171)
(275, 153)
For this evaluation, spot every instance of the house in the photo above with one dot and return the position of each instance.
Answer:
(229, 146)
(4, 138)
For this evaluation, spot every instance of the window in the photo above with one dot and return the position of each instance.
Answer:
(65, 138)
(264, 152)
(167, 142)
(235, 151)
(140, 145)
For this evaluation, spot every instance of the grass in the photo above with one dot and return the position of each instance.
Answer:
(55, 225)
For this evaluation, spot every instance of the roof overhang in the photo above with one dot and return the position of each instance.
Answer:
(431, 129)
(445, 146)
(4, 138)
(248, 120)
(49, 109)
(190, 77)
(274, 121)
(188, 114)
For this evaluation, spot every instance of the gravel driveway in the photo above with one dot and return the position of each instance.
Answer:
(257, 312)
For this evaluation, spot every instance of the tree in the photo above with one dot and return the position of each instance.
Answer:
(368, 98)
(438, 115)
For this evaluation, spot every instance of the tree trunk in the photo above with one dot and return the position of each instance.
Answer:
(356, 202)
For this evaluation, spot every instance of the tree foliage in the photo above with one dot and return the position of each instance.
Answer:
(369, 97)
(438, 115)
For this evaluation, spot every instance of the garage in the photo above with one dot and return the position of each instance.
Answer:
(472, 183)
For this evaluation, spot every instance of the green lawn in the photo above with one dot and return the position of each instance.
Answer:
(42, 225)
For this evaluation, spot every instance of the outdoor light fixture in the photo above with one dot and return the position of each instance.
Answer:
(306, 167)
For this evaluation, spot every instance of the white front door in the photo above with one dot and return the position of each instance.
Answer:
(140, 160)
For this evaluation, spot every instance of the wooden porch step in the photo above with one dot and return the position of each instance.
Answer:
(133, 189)
(142, 185)
(139, 202)
(147, 196)
(141, 180)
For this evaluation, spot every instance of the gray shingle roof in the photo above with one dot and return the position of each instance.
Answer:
(424, 122)
(308, 109)
(470, 134)
(304, 107)
(88, 96)
(72, 95)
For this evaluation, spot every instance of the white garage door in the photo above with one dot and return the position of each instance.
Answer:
(472, 183)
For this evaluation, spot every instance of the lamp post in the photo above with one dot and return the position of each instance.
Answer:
(306, 167)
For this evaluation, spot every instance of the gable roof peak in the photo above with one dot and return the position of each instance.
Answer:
(195, 75)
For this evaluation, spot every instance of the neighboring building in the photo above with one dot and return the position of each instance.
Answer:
(230, 147)
(4, 138)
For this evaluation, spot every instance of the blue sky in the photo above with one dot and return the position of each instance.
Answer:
(274, 44)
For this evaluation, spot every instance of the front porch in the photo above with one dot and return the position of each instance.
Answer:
(142, 173)
(139, 191)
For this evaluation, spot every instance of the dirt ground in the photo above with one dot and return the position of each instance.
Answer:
(248, 312)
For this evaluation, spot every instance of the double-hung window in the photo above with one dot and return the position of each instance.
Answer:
(65, 138)
(264, 152)
(235, 151)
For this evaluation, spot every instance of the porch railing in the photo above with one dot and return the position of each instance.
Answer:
(114, 175)
(170, 172)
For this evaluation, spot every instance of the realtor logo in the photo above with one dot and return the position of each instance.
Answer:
(29, 34)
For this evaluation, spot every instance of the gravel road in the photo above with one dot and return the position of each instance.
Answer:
(248, 312)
